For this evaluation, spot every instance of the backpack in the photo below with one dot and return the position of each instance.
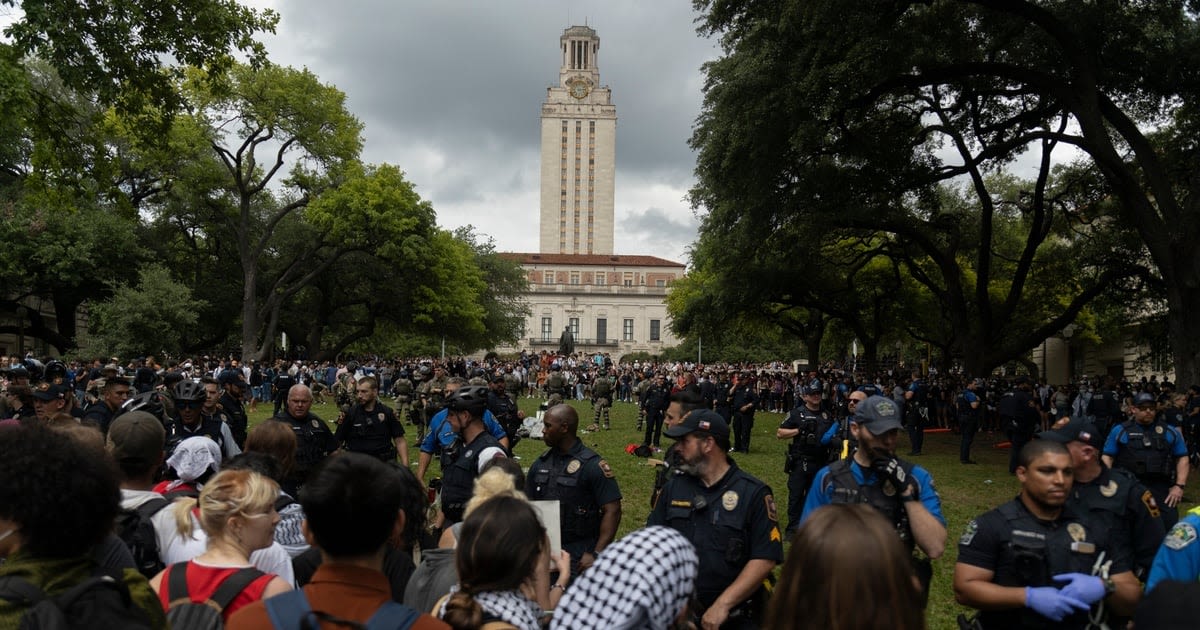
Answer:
(101, 602)
(136, 530)
(184, 614)
(289, 610)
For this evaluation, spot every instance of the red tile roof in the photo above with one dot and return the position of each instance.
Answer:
(589, 259)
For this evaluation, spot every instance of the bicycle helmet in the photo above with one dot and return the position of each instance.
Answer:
(471, 398)
(188, 390)
(151, 402)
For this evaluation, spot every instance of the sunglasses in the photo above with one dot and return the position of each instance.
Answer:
(189, 404)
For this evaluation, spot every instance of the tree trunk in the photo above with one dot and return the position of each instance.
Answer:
(250, 323)
(1183, 329)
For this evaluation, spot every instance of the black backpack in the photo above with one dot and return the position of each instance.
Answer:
(135, 529)
(101, 602)
(184, 614)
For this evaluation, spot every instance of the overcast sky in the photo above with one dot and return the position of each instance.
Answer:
(450, 91)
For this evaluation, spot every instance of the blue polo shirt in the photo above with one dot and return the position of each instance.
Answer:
(444, 435)
(1119, 437)
(1179, 556)
(821, 493)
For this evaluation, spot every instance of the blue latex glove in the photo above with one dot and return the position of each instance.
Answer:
(1085, 588)
(1051, 603)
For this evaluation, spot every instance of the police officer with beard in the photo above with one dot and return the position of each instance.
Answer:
(371, 427)
(804, 426)
(584, 485)
(901, 490)
(1036, 563)
(729, 516)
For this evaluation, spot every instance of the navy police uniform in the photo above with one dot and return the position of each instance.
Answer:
(582, 482)
(458, 478)
(371, 432)
(239, 424)
(314, 441)
(730, 523)
(1022, 550)
(1120, 504)
(806, 455)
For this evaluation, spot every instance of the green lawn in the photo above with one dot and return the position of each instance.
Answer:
(966, 491)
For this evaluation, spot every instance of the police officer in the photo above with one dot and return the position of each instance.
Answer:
(464, 414)
(280, 387)
(602, 391)
(838, 439)
(721, 397)
(190, 421)
(1154, 452)
(233, 383)
(1113, 498)
(901, 490)
(1105, 405)
(371, 427)
(804, 426)
(916, 412)
(653, 403)
(969, 409)
(729, 516)
(314, 440)
(1013, 560)
(589, 501)
(1179, 557)
(682, 403)
(1018, 417)
(442, 439)
(505, 410)
(743, 401)
(113, 394)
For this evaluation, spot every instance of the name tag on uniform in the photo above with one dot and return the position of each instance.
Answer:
(677, 503)
(1083, 547)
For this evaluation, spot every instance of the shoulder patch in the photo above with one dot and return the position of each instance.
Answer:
(606, 469)
(1151, 505)
(1180, 536)
(969, 533)
(771, 513)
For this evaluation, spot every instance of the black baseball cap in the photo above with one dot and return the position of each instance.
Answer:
(1076, 430)
(700, 420)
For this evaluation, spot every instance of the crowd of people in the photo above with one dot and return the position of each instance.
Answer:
(138, 495)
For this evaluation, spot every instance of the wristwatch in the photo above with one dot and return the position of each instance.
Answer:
(1179, 485)
(910, 497)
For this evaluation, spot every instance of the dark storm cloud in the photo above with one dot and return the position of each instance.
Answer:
(450, 92)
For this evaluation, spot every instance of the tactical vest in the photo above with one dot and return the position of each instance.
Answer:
(1032, 554)
(881, 495)
(720, 529)
(236, 412)
(458, 479)
(403, 389)
(807, 443)
(368, 432)
(1148, 453)
(556, 383)
(209, 427)
(602, 388)
(578, 512)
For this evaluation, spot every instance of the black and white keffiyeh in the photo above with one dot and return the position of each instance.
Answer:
(640, 581)
(510, 606)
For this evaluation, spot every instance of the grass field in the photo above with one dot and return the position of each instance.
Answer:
(966, 491)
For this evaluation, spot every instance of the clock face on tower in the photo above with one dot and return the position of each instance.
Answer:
(578, 88)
